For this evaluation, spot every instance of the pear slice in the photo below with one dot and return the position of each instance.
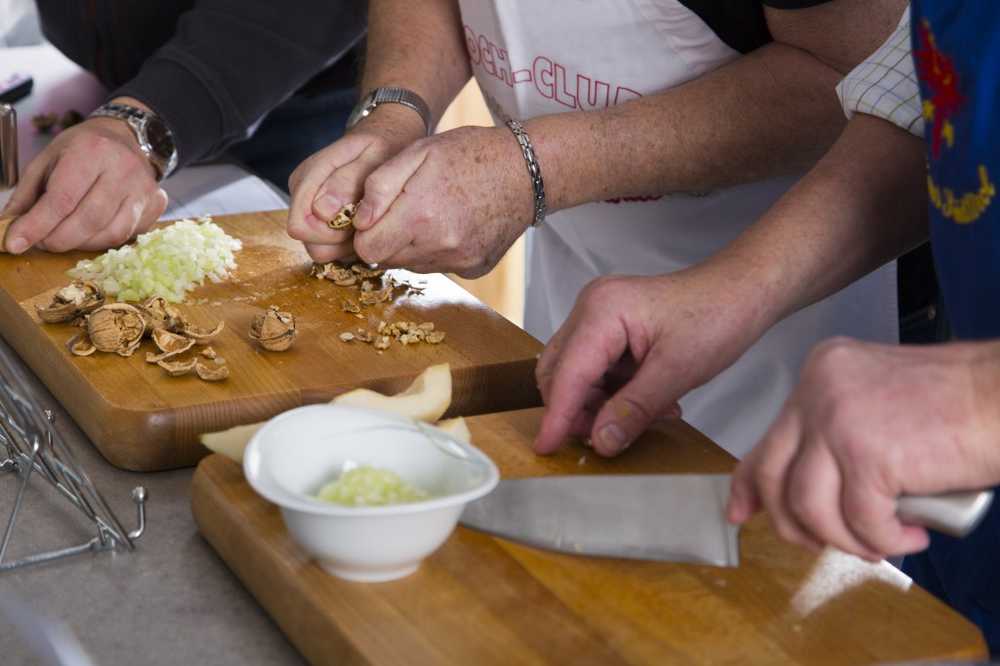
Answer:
(457, 428)
(426, 399)
(232, 442)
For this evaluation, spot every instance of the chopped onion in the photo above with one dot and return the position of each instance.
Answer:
(166, 262)
(370, 486)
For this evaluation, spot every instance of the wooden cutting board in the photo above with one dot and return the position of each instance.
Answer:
(142, 419)
(481, 600)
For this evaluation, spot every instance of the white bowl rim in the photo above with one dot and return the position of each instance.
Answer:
(267, 487)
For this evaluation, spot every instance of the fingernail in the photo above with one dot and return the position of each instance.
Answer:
(612, 437)
(17, 245)
(327, 206)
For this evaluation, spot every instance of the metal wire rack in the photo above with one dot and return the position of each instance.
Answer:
(32, 448)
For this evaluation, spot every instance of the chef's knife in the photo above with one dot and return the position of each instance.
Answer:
(678, 518)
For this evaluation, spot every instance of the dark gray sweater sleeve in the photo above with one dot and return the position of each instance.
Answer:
(230, 62)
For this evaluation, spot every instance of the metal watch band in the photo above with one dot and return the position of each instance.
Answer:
(534, 170)
(391, 95)
(137, 119)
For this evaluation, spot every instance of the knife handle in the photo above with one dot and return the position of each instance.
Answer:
(954, 514)
(5, 222)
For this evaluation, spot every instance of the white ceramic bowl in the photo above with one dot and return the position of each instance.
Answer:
(296, 453)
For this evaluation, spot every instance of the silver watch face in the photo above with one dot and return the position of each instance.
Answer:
(161, 142)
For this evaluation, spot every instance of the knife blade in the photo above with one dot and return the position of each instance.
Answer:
(664, 517)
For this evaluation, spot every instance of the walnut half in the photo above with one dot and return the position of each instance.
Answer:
(71, 301)
(118, 328)
(273, 330)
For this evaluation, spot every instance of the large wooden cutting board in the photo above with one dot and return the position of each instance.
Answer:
(482, 601)
(141, 419)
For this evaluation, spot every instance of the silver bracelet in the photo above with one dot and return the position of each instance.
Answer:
(534, 170)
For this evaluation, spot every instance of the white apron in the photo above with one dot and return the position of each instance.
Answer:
(535, 58)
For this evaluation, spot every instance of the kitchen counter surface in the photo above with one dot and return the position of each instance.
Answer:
(171, 601)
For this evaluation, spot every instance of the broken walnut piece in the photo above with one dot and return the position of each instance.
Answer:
(211, 372)
(177, 367)
(274, 330)
(117, 328)
(78, 298)
(171, 343)
(158, 314)
(344, 217)
(203, 336)
(80, 345)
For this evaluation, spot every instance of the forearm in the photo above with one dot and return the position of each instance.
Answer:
(862, 205)
(418, 46)
(770, 113)
(229, 64)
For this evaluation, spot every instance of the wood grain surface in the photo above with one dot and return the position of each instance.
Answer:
(142, 419)
(481, 600)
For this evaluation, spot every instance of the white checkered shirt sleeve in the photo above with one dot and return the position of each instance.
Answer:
(885, 84)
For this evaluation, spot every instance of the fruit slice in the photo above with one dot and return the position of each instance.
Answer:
(457, 428)
(426, 399)
(232, 442)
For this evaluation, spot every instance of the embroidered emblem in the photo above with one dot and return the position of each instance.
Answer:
(967, 207)
(944, 101)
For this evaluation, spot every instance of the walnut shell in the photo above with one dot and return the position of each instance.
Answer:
(78, 298)
(344, 217)
(117, 328)
(203, 336)
(212, 372)
(159, 314)
(274, 330)
(80, 345)
(178, 367)
(171, 343)
(365, 272)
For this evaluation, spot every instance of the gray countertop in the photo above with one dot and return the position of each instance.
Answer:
(171, 601)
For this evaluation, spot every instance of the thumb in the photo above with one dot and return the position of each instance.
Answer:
(634, 408)
(28, 190)
(743, 499)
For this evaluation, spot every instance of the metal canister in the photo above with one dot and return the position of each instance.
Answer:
(8, 147)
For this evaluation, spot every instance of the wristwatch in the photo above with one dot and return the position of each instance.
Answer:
(156, 141)
(391, 96)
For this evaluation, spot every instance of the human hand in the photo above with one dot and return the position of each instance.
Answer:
(335, 176)
(90, 189)
(867, 424)
(453, 202)
(632, 347)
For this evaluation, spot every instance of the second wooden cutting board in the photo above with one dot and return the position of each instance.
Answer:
(480, 600)
(141, 419)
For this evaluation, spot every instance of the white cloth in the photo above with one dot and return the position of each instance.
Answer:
(532, 58)
(885, 84)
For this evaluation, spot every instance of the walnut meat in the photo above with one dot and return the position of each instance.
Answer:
(71, 301)
(274, 330)
(344, 218)
(118, 328)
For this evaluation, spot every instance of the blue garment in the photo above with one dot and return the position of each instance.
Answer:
(301, 126)
(957, 52)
